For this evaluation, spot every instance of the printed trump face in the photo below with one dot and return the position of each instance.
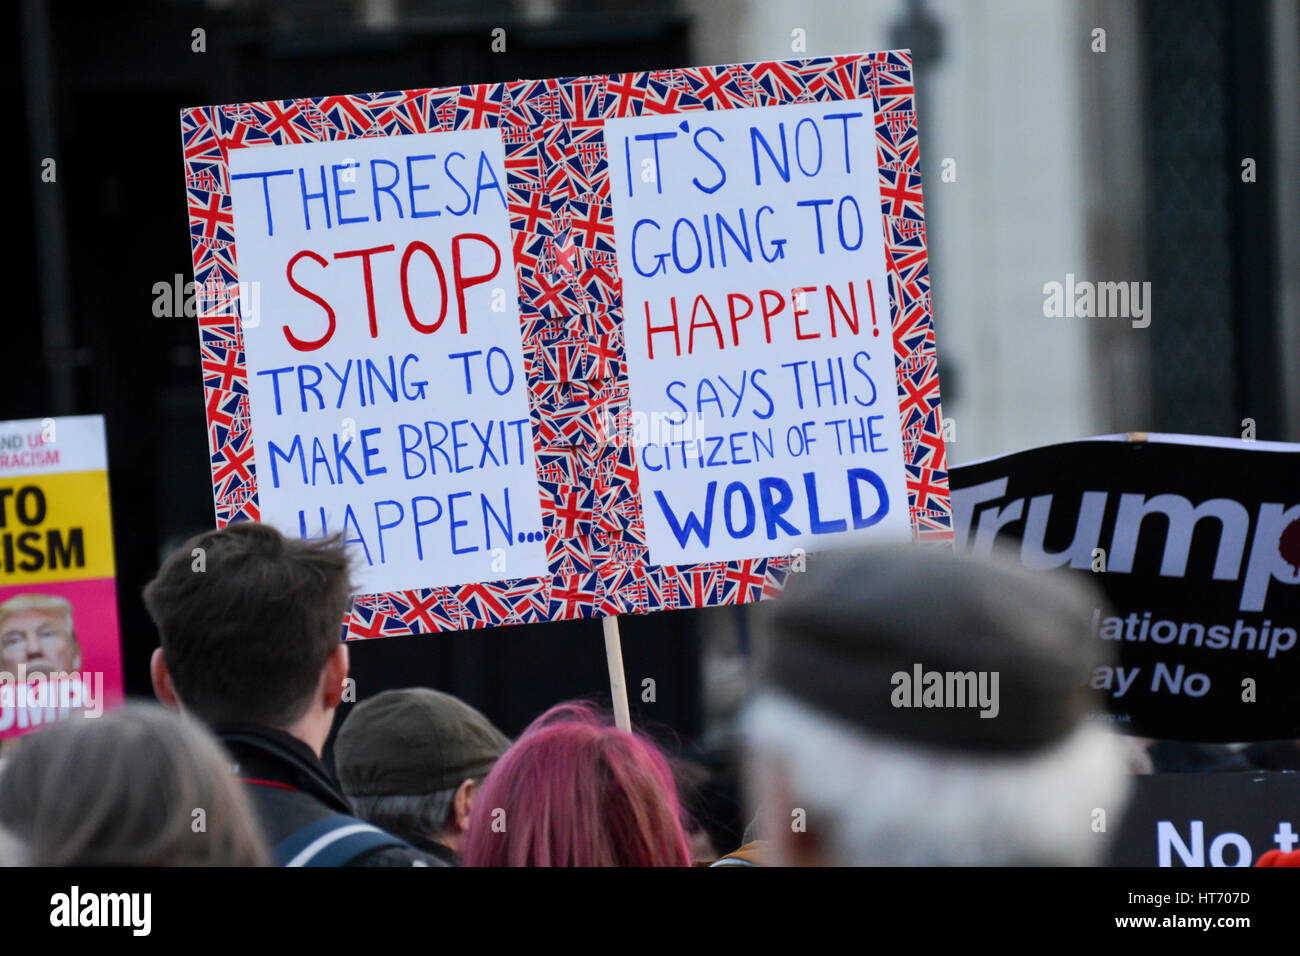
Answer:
(40, 640)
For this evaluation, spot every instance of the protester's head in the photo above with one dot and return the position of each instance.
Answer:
(130, 788)
(250, 623)
(412, 762)
(921, 708)
(36, 632)
(694, 781)
(574, 790)
(11, 851)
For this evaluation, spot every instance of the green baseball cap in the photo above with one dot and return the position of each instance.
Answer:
(414, 741)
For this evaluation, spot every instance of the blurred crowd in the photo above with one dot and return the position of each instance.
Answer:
(854, 753)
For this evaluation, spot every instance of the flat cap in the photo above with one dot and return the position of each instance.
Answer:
(897, 640)
(414, 741)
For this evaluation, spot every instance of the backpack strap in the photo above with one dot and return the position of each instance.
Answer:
(335, 840)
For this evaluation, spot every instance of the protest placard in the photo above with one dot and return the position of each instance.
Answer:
(1196, 544)
(1207, 819)
(565, 348)
(390, 396)
(59, 645)
(753, 304)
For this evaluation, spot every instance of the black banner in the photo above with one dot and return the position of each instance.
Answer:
(1208, 819)
(1197, 547)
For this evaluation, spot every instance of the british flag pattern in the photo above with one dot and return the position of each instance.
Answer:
(570, 304)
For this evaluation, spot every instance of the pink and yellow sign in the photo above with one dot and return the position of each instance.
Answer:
(60, 653)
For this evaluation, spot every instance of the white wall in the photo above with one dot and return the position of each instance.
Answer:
(1004, 102)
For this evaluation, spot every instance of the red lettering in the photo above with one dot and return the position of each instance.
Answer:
(307, 345)
(650, 330)
(735, 319)
(700, 300)
(832, 301)
(798, 310)
(768, 314)
(365, 255)
(406, 292)
(462, 281)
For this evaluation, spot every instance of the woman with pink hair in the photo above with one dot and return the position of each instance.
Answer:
(576, 791)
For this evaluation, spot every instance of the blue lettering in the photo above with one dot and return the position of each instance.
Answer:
(376, 188)
(446, 165)
(412, 188)
(692, 525)
(774, 508)
(857, 475)
(727, 511)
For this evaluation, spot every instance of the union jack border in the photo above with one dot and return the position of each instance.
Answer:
(571, 320)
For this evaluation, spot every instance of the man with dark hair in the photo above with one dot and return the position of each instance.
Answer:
(250, 623)
(412, 761)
